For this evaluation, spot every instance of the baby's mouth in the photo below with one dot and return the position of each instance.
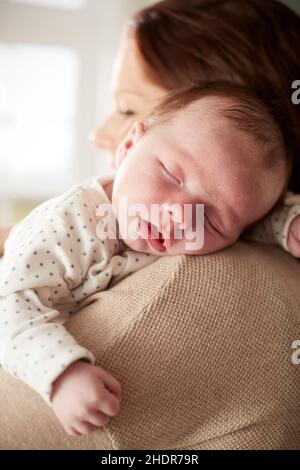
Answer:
(150, 233)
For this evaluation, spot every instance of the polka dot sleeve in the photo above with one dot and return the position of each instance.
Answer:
(34, 345)
(54, 260)
(47, 258)
(275, 227)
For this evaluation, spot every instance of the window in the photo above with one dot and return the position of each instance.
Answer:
(67, 4)
(38, 100)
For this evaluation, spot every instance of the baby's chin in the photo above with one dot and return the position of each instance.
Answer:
(141, 246)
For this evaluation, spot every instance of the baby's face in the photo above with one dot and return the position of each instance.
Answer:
(196, 158)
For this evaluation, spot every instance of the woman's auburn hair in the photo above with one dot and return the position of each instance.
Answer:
(254, 43)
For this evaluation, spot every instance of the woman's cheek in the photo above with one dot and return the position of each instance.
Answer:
(125, 125)
(116, 128)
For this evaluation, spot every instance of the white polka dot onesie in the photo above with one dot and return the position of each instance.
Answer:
(54, 259)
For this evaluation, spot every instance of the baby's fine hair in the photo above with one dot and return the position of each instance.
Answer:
(264, 122)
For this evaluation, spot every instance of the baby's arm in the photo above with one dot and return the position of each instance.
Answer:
(281, 226)
(38, 350)
(41, 271)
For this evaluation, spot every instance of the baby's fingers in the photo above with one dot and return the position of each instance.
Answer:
(110, 404)
(98, 419)
(294, 237)
(294, 246)
(84, 427)
(110, 382)
(72, 431)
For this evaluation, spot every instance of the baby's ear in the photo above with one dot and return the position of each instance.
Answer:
(132, 138)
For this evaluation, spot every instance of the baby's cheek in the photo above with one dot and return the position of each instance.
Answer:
(212, 242)
(199, 244)
(216, 242)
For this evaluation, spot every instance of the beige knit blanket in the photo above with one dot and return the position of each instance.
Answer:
(202, 347)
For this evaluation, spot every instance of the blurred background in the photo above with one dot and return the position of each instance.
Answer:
(56, 59)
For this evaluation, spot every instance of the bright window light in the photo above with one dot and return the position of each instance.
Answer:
(66, 4)
(38, 94)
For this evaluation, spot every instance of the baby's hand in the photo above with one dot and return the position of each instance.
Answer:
(84, 397)
(294, 237)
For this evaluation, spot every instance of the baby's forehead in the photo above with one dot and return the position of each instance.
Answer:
(225, 124)
(223, 120)
(203, 117)
(204, 122)
(217, 151)
(209, 107)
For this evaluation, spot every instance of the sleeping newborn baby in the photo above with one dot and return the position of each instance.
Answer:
(206, 165)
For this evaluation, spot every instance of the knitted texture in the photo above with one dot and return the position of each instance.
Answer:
(202, 348)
